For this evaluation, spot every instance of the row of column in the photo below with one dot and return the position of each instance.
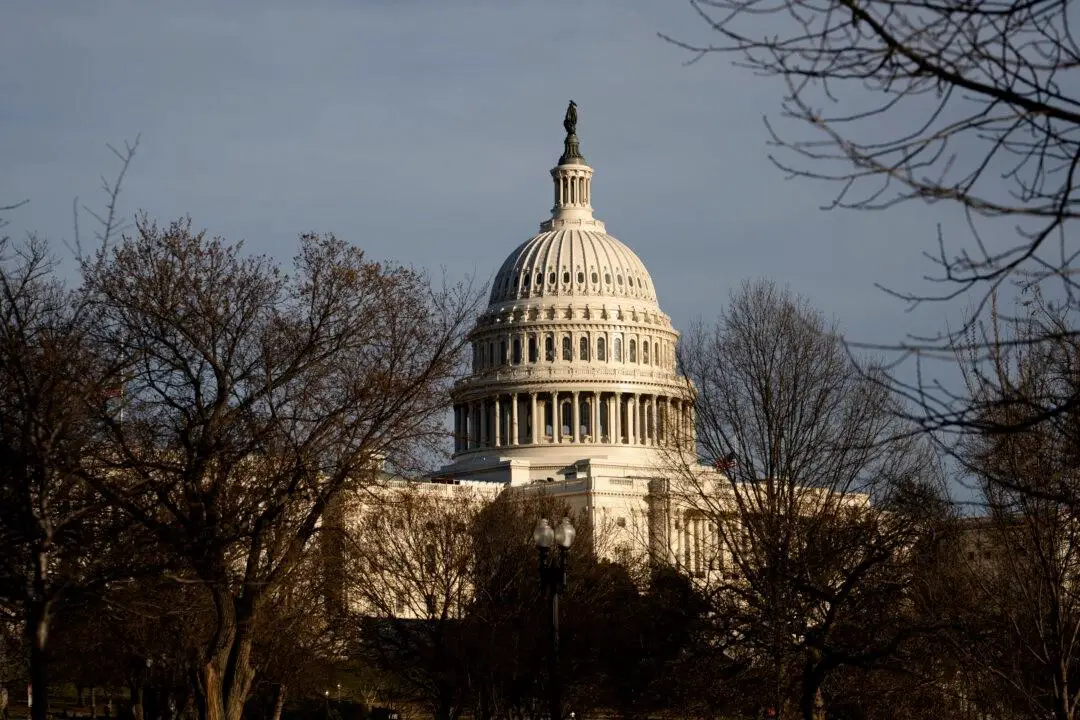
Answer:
(536, 418)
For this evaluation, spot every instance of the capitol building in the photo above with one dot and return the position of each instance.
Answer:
(574, 389)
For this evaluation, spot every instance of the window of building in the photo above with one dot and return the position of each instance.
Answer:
(503, 359)
(632, 350)
(580, 277)
(645, 352)
(618, 279)
(601, 348)
(616, 350)
(539, 279)
(551, 277)
(656, 353)
(549, 347)
(567, 348)
(525, 280)
(620, 521)
(595, 277)
(532, 348)
(607, 278)
(517, 351)
(566, 277)
(583, 348)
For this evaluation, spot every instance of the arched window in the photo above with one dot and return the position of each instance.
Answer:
(632, 351)
(601, 348)
(516, 357)
(583, 348)
(532, 349)
(616, 351)
(656, 353)
(645, 352)
(567, 348)
(549, 347)
(503, 359)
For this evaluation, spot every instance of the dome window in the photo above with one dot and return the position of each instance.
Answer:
(517, 350)
(616, 350)
(532, 349)
(607, 278)
(566, 277)
(551, 277)
(583, 348)
(549, 347)
(595, 277)
(580, 277)
(539, 279)
(656, 353)
(601, 349)
(632, 349)
(618, 279)
(645, 352)
(567, 348)
(525, 281)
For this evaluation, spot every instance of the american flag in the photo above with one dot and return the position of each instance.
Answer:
(726, 463)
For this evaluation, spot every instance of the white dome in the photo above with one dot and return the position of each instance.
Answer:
(572, 263)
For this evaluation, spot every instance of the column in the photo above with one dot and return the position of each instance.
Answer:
(535, 420)
(497, 412)
(635, 427)
(575, 416)
(515, 436)
(459, 427)
(556, 419)
(654, 436)
(697, 545)
(483, 423)
(596, 437)
(669, 412)
(616, 435)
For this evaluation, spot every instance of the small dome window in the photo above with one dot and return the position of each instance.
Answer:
(607, 278)
(618, 279)
(580, 277)
(525, 281)
(595, 277)
(539, 278)
(566, 277)
(551, 277)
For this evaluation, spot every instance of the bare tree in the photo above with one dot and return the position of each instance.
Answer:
(252, 398)
(1023, 557)
(968, 104)
(60, 540)
(411, 566)
(802, 538)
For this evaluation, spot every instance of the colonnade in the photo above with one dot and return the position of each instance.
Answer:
(574, 416)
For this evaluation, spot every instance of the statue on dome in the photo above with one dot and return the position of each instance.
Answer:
(570, 121)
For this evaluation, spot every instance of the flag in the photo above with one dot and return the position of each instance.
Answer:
(726, 463)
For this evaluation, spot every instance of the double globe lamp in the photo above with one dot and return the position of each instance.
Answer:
(553, 582)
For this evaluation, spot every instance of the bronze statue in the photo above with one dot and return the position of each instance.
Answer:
(570, 121)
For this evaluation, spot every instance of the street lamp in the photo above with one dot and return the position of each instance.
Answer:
(553, 582)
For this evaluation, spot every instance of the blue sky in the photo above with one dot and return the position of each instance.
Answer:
(424, 131)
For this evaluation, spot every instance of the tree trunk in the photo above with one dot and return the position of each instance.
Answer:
(225, 680)
(37, 626)
(279, 702)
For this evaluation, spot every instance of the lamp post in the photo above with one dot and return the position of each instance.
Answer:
(553, 582)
